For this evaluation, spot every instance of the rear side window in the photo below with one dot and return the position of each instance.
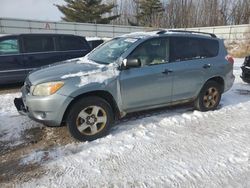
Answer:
(94, 43)
(9, 46)
(183, 48)
(72, 43)
(209, 48)
(38, 44)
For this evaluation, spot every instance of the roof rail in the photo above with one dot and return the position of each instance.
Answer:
(185, 31)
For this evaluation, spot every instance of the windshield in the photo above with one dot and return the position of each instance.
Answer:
(111, 50)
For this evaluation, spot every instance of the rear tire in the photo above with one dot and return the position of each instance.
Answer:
(90, 118)
(209, 97)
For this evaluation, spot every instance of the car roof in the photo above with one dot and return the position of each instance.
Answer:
(151, 34)
(39, 34)
(4, 35)
(48, 34)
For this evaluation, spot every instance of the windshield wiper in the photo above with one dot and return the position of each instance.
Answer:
(99, 62)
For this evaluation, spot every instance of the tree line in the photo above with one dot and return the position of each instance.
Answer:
(158, 13)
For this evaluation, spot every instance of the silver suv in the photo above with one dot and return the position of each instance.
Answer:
(134, 72)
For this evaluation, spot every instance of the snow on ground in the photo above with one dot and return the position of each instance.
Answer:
(177, 147)
(12, 125)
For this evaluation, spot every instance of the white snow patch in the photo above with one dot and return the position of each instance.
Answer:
(12, 124)
(101, 75)
(80, 74)
(93, 38)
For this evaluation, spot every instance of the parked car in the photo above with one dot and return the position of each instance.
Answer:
(135, 72)
(94, 42)
(22, 53)
(246, 70)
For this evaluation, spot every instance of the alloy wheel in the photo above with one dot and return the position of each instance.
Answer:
(91, 120)
(211, 97)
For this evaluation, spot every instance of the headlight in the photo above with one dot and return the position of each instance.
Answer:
(46, 89)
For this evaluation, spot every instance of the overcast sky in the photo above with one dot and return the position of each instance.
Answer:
(31, 9)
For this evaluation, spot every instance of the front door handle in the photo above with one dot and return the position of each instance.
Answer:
(167, 71)
(206, 66)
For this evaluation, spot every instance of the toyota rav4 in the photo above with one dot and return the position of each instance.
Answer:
(134, 72)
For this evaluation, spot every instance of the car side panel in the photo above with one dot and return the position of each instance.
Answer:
(12, 69)
(38, 59)
(145, 86)
(189, 77)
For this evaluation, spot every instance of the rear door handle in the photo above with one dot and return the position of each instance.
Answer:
(167, 71)
(206, 66)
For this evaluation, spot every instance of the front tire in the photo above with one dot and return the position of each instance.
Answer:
(209, 97)
(89, 118)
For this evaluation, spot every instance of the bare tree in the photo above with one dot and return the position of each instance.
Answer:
(185, 13)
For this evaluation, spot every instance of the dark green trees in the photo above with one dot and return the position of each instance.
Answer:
(150, 12)
(87, 11)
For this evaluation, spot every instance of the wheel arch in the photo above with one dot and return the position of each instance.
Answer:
(99, 93)
(219, 80)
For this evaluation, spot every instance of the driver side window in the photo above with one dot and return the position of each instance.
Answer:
(151, 52)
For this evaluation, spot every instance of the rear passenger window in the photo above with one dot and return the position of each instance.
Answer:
(9, 46)
(183, 49)
(38, 44)
(71, 43)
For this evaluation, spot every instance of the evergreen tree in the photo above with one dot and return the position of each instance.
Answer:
(150, 11)
(87, 11)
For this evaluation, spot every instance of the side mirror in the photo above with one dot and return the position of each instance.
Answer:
(131, 63)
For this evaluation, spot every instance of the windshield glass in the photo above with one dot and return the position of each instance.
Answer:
(111, 50)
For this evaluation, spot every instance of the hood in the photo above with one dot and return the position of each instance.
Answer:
(60, 71)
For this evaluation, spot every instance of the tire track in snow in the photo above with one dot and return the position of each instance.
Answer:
(180, 150)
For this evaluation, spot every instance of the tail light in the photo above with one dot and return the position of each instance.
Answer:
(230, 59)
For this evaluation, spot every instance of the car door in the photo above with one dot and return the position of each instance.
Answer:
(12, 68)
(150, 84)
(191, 67)
(38, 51)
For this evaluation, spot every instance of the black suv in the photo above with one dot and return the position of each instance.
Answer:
(21, 53)
(246, 70)
(94, 42)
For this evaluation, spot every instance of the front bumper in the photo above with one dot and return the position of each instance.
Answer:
(20, 106)
(48, 110)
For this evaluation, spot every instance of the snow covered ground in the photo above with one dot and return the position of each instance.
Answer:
(173, 147)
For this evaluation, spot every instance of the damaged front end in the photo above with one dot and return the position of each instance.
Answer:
(20, 106)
